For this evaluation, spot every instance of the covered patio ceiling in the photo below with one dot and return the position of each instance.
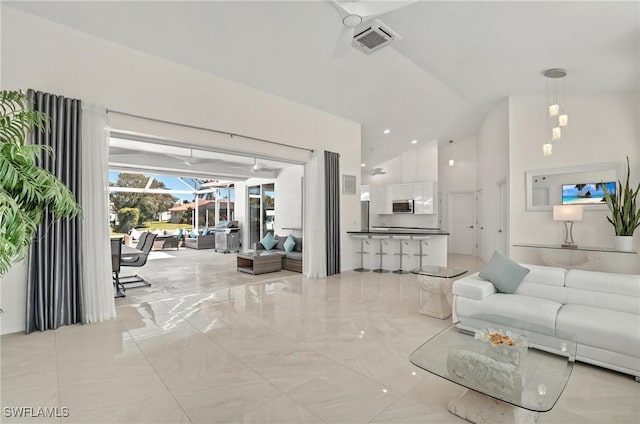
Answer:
(164, 158)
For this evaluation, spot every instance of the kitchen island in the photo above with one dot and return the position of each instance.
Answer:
(433, 242)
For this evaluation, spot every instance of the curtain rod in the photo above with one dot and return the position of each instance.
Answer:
(208, 129)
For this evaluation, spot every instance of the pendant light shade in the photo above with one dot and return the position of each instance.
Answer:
(557, 117)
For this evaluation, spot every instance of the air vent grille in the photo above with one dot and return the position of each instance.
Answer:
(373, 37)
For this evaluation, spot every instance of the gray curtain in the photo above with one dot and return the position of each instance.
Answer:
(54, 286)
(332, 208)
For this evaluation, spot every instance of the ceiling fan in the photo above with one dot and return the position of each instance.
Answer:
(377, 171)
(353, 14)
(256, 167)
(191, 160)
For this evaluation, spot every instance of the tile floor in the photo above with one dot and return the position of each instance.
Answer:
(206, 344)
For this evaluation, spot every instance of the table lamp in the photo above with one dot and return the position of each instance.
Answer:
(569, 214)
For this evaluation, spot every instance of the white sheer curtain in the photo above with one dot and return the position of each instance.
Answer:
(97, 284)
(315, 242)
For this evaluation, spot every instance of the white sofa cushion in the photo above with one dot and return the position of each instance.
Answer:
(532, 310)
(547, 275)
(602, 328)
(473, 287)
(618, 292)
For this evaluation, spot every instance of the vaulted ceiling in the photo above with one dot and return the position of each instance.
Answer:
(455, 60)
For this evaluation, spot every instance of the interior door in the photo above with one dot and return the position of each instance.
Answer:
(462, 222)
(503, 225)
(479, 230)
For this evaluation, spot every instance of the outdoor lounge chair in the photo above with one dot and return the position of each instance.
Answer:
(116, 255)
(144, 244)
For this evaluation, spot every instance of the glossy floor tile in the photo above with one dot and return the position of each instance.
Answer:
(206, 344)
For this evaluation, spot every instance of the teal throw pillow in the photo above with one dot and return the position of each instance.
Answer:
(269, 241)
(505, 274)
(205, 231)
(193, 234)
(180, 232)
(289, 244)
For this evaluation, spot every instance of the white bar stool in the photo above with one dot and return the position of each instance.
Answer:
(364, 239)
(403, 242)
(424, 242)
(381, 252)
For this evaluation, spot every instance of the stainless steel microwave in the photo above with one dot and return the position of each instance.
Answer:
(402, 206)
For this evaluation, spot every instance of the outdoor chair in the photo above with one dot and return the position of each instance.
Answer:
(116, 256)
(144, 244)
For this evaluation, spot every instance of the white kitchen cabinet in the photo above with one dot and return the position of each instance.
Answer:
(380, 199)
(425, 198)
(402, 191)
(364, 193)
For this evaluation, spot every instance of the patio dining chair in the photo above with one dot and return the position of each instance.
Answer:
(144, 244)
(116, 256)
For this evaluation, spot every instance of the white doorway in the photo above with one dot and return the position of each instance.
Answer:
(462, 207)
(479, 230)
(503, 224)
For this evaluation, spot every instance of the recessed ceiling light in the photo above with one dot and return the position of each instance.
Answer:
(414, 141)
(387, 131)
(363, 165)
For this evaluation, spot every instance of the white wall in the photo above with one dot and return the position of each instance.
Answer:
(601, 129)
(53, 58)
(462, 176)
(492, 167)
(288, 207)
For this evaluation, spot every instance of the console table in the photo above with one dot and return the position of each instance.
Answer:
(582, 257)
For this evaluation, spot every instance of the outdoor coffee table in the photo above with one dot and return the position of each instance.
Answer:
(507, 383)
(259, 262)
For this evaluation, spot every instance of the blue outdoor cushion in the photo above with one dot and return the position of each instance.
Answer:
(180, 232)
(269, 241)
(193, 234)
(289, 244)
(205, 231)
(505, 274)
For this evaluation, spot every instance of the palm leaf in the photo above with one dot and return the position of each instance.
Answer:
(625, 213)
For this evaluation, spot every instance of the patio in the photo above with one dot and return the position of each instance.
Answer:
(175, 273)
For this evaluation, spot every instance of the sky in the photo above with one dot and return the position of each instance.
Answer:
(171, 183)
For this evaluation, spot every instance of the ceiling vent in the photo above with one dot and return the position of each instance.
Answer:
(373, 36)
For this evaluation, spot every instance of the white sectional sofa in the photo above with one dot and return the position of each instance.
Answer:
(601, 309)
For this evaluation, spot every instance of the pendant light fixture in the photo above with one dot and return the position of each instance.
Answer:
(557, 116)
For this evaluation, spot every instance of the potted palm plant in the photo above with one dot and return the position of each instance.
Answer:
(27, 191)
(625, 212)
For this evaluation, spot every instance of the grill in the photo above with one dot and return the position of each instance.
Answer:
(227, 237)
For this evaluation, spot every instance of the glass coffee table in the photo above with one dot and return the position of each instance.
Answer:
(513, 370)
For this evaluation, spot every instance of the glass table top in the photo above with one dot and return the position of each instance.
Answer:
(439, 271)
(254, 253)
(512, 361)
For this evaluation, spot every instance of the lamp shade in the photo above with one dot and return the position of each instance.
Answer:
(567, 213)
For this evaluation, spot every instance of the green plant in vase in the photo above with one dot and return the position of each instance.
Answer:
(625, 211)
(27, 191)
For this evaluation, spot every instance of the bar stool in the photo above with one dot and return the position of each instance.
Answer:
(424, 241)
(364, 239)
(403, 242)
(381, 239)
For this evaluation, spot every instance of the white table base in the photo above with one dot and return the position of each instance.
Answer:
(438, 296)
(480, 409)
